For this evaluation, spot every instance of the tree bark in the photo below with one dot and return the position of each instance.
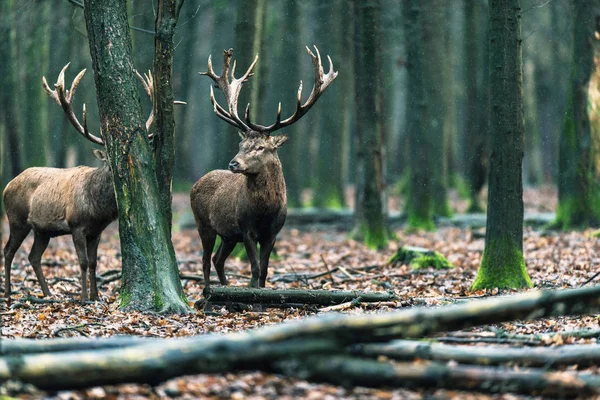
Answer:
(320, 297)
(150, 275)
(9, 96)
(433, 66)
(164, 140)
(329, 185)
(476, 101)
(348, 371)
(502, 263)
(578, 189)
(371, 225)
(580, 354)
(419, 206)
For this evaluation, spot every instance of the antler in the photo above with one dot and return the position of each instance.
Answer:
(231, 90)
(65, 98)
(321, 83)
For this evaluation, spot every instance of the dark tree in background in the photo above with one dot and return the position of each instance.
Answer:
(578, 189)
(419, 205)
(329, 184)
(502, 263)
(8, 87)
(434, 65)
(150, 274)
(476, 111)
(371, 225)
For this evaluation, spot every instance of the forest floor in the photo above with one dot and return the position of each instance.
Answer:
(554, 260)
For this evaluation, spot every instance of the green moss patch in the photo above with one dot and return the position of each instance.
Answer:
(419, 258)
(502, 266)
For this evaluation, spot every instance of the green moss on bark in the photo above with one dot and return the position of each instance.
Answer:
(416, 222)
(502, 266)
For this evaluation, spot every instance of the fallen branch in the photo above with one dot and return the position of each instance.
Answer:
(320, 297)
(494, 340)
(28, 346)
(349, 371)
(489, 355)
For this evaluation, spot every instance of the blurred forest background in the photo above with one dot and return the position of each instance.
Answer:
(37, 37)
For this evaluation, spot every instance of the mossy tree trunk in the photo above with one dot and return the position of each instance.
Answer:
(476, 102)
(502, 263)
(371, 225)
(419, 206)
(434, 64)
(578, 190)
(150, 275)
(8, 87)
(329, 185)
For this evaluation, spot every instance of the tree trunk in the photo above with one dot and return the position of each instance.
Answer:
(371, 224)
(292, 152)
(329, 185)
(578, 190)
(9, 97)
(433, 67)
(164, 140)
(502, 263)
(150, 275)
(476, 107)
(419, 206)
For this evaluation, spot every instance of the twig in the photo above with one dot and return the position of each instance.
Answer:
(328, 270)
(591, 279)
(77, 328)
(344, 306)
(449, 339)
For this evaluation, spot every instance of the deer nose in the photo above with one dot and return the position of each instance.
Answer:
(234, 166)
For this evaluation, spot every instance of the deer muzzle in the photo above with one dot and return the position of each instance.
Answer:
(236, 167)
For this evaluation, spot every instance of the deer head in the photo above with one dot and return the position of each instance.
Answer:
(257, 147)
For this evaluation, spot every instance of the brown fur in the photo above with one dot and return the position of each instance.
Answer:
(249, 206)
(52, 202)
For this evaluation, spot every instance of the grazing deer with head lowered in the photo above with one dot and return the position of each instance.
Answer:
(58, 201)
(247, 203)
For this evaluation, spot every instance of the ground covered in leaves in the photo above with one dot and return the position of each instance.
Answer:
(554, 260)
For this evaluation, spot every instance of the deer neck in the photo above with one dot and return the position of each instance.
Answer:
(267, 188)
(101, 191)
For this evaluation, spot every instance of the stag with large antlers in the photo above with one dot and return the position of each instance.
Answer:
(248, 203)
(58, 201)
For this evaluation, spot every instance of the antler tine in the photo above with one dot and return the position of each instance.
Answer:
(65, 99)
(321, 83)
(231, 90)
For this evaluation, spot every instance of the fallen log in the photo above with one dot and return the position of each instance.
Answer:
(328, 334)
(489, 355)
(298, 296)
(349, 372)
(29, 346)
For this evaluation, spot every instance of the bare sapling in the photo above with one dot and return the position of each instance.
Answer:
(78, 201)
(247, 203)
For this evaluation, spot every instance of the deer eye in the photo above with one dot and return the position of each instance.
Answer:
(260, 148)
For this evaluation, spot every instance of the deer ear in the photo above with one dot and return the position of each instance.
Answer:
(100, 155)
(278, 140)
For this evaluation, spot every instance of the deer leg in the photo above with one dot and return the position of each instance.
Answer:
(17, 235)
(40, 243)
(265, 252)
(80, 242)
(208, 244)
(250, 245)
(224, 251)
(92, 255)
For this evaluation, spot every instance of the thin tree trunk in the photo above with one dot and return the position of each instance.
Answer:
(9, 96)
(578, 190)
(419, 205)
(150, 275)
(433, 67)
(502, 263)
(329, 185)
(291, 152)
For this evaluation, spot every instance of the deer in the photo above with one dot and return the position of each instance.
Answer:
(79, 201)
(247, 203)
